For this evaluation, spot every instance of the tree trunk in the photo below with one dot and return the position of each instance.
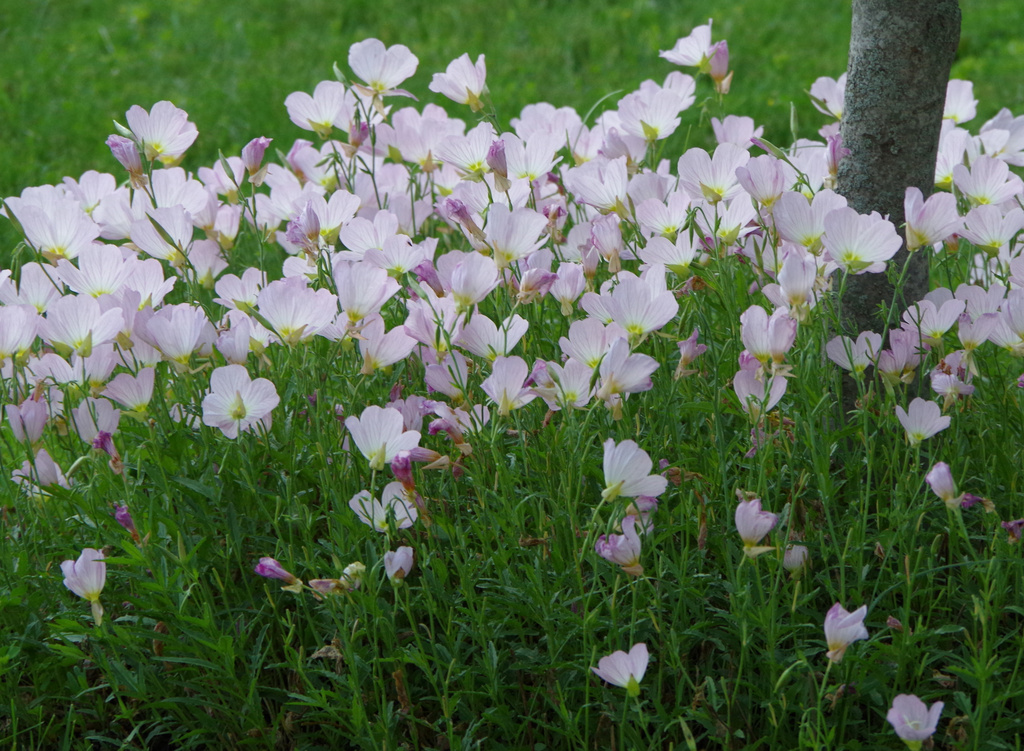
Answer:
(901, 52)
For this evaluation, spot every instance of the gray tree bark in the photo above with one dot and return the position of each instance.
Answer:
(901, 52)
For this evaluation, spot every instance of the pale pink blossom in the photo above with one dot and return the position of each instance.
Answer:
(922, 420)
(624, 670)
(382, 68)
(987, 181)
(912, 719)
(803, 222)
(623, 549)
(483, 338)
(236, 403)
(463, 81)
(381, 349)
(712, 177)
(689, 350)
(296, 311)
(379, 434)
(623, 373)
(506, 384)
(18, 327)
(323, 110)
(929, 222)
(79, 324)
(860, 243)
(694, 50)
(86, 578)
(395, 506)
(132, 392)
(843, 628)
(767, 338)
(753, 524)
(163, 133)
(758, 395)
(514, 234)
(627, 472)
(828, 95)
(857, 355)
(600, 183)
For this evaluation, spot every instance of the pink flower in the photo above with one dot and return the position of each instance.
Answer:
(79, 324)
(506, 384)
(86, 577)
(463, 81)
(236, 403)
(753, 524)
(514, 234)
(843, 628)
(622, 549)
(623, 373)
(858, 243)
(321, 111)
(624, 670)
(767, 339)
(758, 395)
(252, 158)
(18, 327)
(296, 311)
(395, 505)
(381, 68)
(398, 564)
(627, 472)
(923, 420)
(912, 720)
(132, 392)
(712, 177)
(854, 356)
(163, 133)
(379, 434)
(940, 480)
(126, 152)
(929, 222)
(694, 50)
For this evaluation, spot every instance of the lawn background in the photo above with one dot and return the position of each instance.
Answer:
(68, 68)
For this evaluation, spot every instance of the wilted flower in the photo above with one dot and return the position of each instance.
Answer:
(1014, 528)
(351, 578)
(843, 628)
(271, 569)
(912, 720)
(795, 558)
(86, 577)
(124, 517)
(625, 670)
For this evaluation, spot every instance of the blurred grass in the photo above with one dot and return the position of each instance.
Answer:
(70, 67)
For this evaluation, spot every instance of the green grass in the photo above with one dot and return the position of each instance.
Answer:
(70, 68)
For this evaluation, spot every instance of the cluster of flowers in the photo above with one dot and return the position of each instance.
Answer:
(354, 216)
